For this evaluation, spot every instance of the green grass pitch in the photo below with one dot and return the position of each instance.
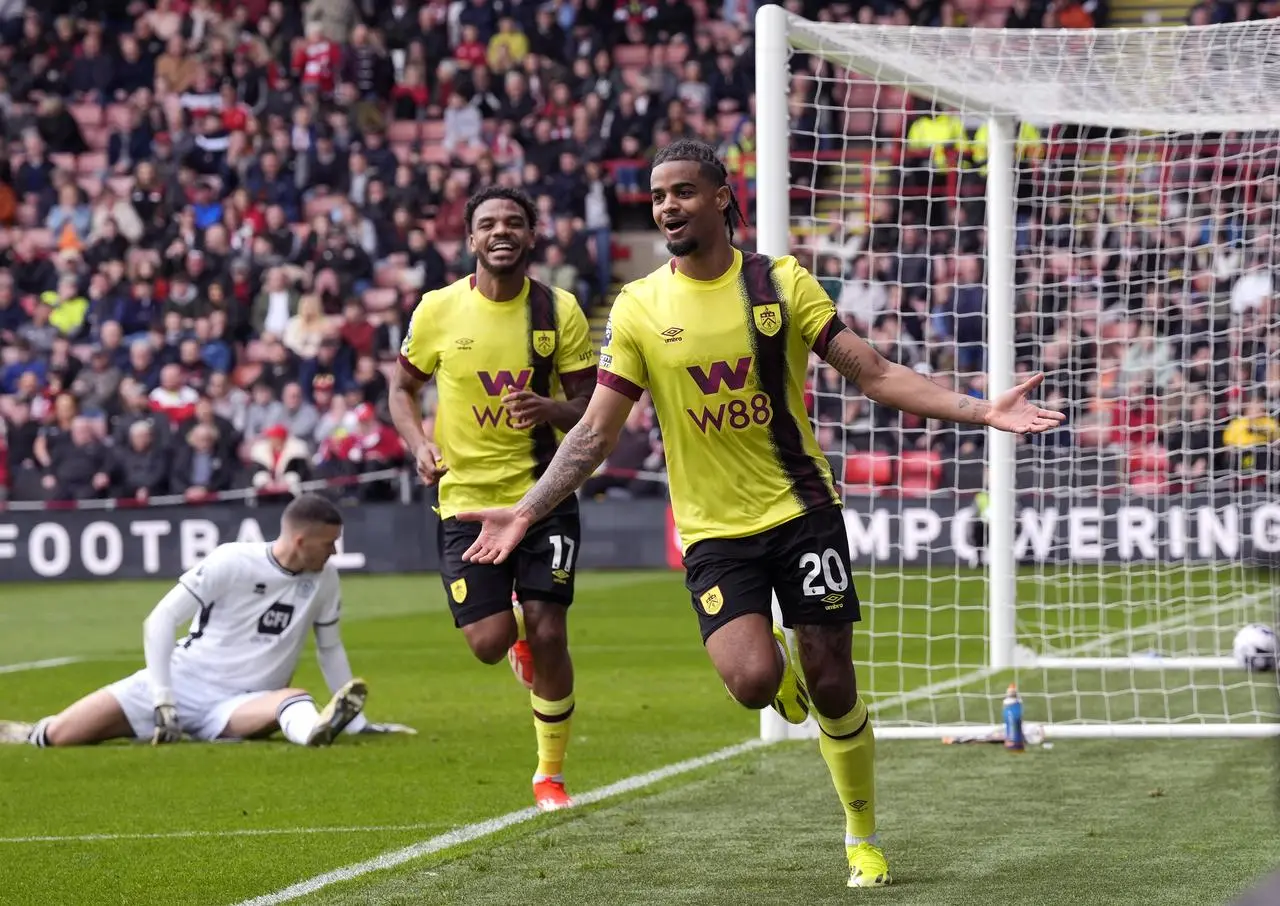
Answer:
(1088, 822)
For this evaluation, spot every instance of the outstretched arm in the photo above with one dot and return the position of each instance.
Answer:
(580, 454)
(895, 385)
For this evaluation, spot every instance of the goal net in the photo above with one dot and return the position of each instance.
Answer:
(1099, 206)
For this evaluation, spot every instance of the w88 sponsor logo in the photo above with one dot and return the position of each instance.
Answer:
(736, 414)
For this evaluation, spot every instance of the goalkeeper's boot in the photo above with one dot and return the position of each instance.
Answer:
(519, 655)
(867, 866)
(549, 794)
(15, 732)
(792, 698)
(343, 708)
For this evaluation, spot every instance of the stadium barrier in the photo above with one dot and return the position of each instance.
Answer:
(640, 534)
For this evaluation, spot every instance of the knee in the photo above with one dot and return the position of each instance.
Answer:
(547, 637)
(59, 733)
(832, 689)
(490, 646)
(753, 686)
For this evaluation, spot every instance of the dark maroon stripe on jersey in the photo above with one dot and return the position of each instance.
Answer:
(807, 482)
(622, 385)
(542, 316)
(827, 334)
(413, 369)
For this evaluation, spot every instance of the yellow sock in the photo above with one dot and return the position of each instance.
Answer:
(519, 612)
(551, 722)
(848, 747)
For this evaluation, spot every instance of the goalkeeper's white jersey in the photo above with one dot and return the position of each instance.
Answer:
(254, 618)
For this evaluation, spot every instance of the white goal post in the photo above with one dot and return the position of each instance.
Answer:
(1098, 205)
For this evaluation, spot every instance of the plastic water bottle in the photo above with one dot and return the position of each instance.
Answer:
(1014, 740)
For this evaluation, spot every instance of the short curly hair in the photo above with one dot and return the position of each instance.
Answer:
(519, 196)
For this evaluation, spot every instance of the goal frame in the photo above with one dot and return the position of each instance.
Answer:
(774, 43)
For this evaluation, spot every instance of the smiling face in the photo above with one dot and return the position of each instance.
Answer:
(688, 207)
(502, 237)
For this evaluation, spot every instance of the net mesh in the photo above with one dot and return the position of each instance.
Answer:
(1146, 217)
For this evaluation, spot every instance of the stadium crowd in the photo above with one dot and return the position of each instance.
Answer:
(216, 218)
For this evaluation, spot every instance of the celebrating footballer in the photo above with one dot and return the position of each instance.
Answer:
(514, 367)
(752, 493)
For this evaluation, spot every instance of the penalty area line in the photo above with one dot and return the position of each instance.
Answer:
(470, 832)
(39, 665)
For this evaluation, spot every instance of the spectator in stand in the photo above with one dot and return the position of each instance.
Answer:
(22, 465)
(140, 466)
(198, 469)
(639, 449)
(227, 438)
(1252, 439)
(173, 398)
(297, 415)
(368, 447)
(79, 466)
(306, 330)
(279, 460)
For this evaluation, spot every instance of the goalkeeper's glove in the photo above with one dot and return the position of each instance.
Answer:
(167, 728)
(388, 728)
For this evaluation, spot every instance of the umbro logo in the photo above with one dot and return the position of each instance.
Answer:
(672, 334)
(833, 599)
(260, 588)
(463, 342)
(858, 804)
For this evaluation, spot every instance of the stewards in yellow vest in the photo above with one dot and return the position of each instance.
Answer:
(939, 133)
(1029, 145)
(66, 314)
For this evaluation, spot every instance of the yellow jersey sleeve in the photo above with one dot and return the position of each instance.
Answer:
(418, 354)
(622, 365)
(574, 351)
(811, 308)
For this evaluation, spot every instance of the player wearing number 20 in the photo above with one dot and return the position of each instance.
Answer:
(513, 363)
(721, 340)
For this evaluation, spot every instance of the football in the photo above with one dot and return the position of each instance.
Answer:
(1255, 648)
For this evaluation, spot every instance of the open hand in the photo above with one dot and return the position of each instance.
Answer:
(430, 462)
(500, 533)
(527, 409)
(1011, 411)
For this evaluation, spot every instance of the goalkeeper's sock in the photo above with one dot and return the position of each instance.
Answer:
(551, 721)
(297, 716)
(40, 733)
(848, 746)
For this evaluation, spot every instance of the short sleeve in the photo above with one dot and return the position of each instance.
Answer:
(811, 307)
(209, 579)
(417, 354)
(574, 351)
(622, 366)
(329, 598)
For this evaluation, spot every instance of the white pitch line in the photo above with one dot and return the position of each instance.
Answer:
(211, 835)
(39, 665)
(480, 829)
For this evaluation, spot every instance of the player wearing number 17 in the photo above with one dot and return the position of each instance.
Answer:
(721, 340)
(500, 348)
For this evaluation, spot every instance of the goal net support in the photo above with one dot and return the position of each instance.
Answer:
(1100, 207)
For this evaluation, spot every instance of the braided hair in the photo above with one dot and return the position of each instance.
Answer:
(712, 169)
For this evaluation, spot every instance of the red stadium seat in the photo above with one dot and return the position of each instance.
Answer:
(403, 131)
(91, 164)
(86, 114)
(1148, 459)
(863, 471)
(919, 471)
(626, 55)
(433, 131)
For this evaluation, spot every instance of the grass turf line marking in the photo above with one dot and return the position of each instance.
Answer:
(481, 829)
(39, 665)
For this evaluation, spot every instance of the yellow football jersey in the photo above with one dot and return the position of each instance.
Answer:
(725, 362)
(478, 351)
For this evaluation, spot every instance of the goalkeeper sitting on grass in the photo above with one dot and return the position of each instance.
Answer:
(251, 606)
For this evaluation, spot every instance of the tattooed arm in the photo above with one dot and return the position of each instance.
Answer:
(895, 385)
(581, 452)
(902, 388)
